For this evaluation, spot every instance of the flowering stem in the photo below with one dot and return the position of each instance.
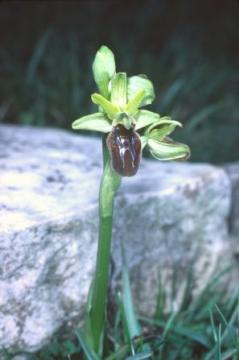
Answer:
(110, 183)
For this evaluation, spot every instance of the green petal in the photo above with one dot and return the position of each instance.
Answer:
(144, 118)
(168, 150)
(161, 128)
(135, 102)
(110, 109)
(103, 69)
(119, 90)
(135, 83)
(93, 122)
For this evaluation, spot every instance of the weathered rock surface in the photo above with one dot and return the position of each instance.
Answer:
(169, 218)
(172, 220)
(233, 172)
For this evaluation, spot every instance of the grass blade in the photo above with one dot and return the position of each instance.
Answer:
(89, 353)
(129, 312)
(141, 356)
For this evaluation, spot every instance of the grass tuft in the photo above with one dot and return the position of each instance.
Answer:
(205, 328)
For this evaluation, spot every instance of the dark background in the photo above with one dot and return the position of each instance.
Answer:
(189, 48)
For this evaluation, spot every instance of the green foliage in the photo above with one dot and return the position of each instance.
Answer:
(203, 328)
(200, 90)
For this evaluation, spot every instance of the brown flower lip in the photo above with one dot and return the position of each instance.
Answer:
(125, 150)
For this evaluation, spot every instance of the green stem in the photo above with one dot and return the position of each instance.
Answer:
(110, 183)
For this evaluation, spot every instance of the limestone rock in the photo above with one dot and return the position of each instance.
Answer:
(169, 217)
(172, 220)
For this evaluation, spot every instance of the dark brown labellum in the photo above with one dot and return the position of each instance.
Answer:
(125, 150)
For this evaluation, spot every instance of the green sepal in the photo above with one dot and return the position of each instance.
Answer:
(93, 122)
(103, 69)
(144, 141)
(167, 149)
(135, 102)
(110, 109)
(135, 83)
(145, 118)
(119, 89)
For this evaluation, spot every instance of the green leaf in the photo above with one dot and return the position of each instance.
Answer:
(227, 355)
(119, 90)
(93, 122)
(128, 306)
(141, 356)
(144, 118)
(135, 83)
(168, 149)
(135, 102)
(88, 351)
(110, 109)
(103, 69)
(122, 351)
